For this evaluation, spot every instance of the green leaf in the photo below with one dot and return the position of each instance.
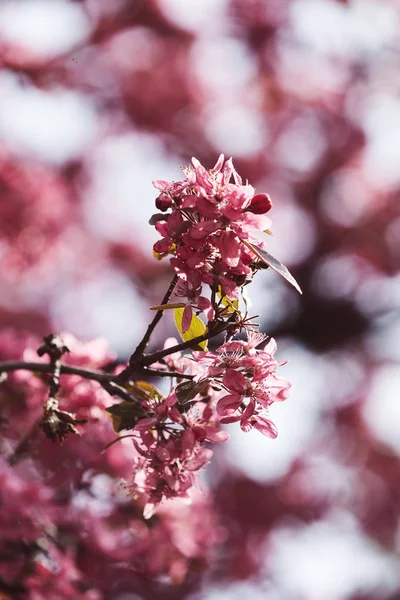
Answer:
(196, 328)
(125, 415)
(274, 263)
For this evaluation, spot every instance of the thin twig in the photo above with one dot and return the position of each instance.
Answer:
(156, 373)
(115, 440)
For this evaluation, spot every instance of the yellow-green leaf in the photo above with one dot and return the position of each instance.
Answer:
(196, 328)
(231, 305)
(125, 415)
(148, 388)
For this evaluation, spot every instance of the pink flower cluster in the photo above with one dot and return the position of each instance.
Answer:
(55, 493)
(170, 449)
(247, 375)
(236, 383)
(207, 217)
(206, 223)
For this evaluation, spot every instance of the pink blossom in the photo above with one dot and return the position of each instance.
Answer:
(211, 214)
(248, 376)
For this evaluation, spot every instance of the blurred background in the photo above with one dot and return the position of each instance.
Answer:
(100, 97)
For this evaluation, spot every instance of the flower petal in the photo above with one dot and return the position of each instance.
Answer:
(228, 404)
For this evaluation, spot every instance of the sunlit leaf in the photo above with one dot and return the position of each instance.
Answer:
(274, 263)
(142, 390)
(125, 415)
(148, 388)
(196, 328)
(136, 391)
(231, 305)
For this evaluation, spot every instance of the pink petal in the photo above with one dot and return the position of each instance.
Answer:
(202, 458)
(249, 410)
(203, 178)
(206, 208)
(254, 222)
(219, 164)
(230, 248)
(186, 318)
(228, 404)
(235, 381)
(213, 434)
(160, 184)
(206, 307)
(270, 348)
(145, 424)
(278, 387)
(265, 426)
(227, 171)
(149, 510)
(227, 420)
(188, 442)
(162, 454)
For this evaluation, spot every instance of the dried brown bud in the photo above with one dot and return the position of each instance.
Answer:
(56, 423)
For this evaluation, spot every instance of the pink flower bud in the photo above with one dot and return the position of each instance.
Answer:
(260, 204)
(163, 202)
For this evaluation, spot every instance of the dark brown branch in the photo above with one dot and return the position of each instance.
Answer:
(7, 367)
(107, 380)
(135, 358)
(115, 390)
(152, 358)
(146, 338)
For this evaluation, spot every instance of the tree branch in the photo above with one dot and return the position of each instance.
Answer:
(135, 358)
(156, 356)
(146, 338)
(8, 366)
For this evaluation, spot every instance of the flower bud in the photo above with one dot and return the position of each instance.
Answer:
(163, 202)
(260, 204)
